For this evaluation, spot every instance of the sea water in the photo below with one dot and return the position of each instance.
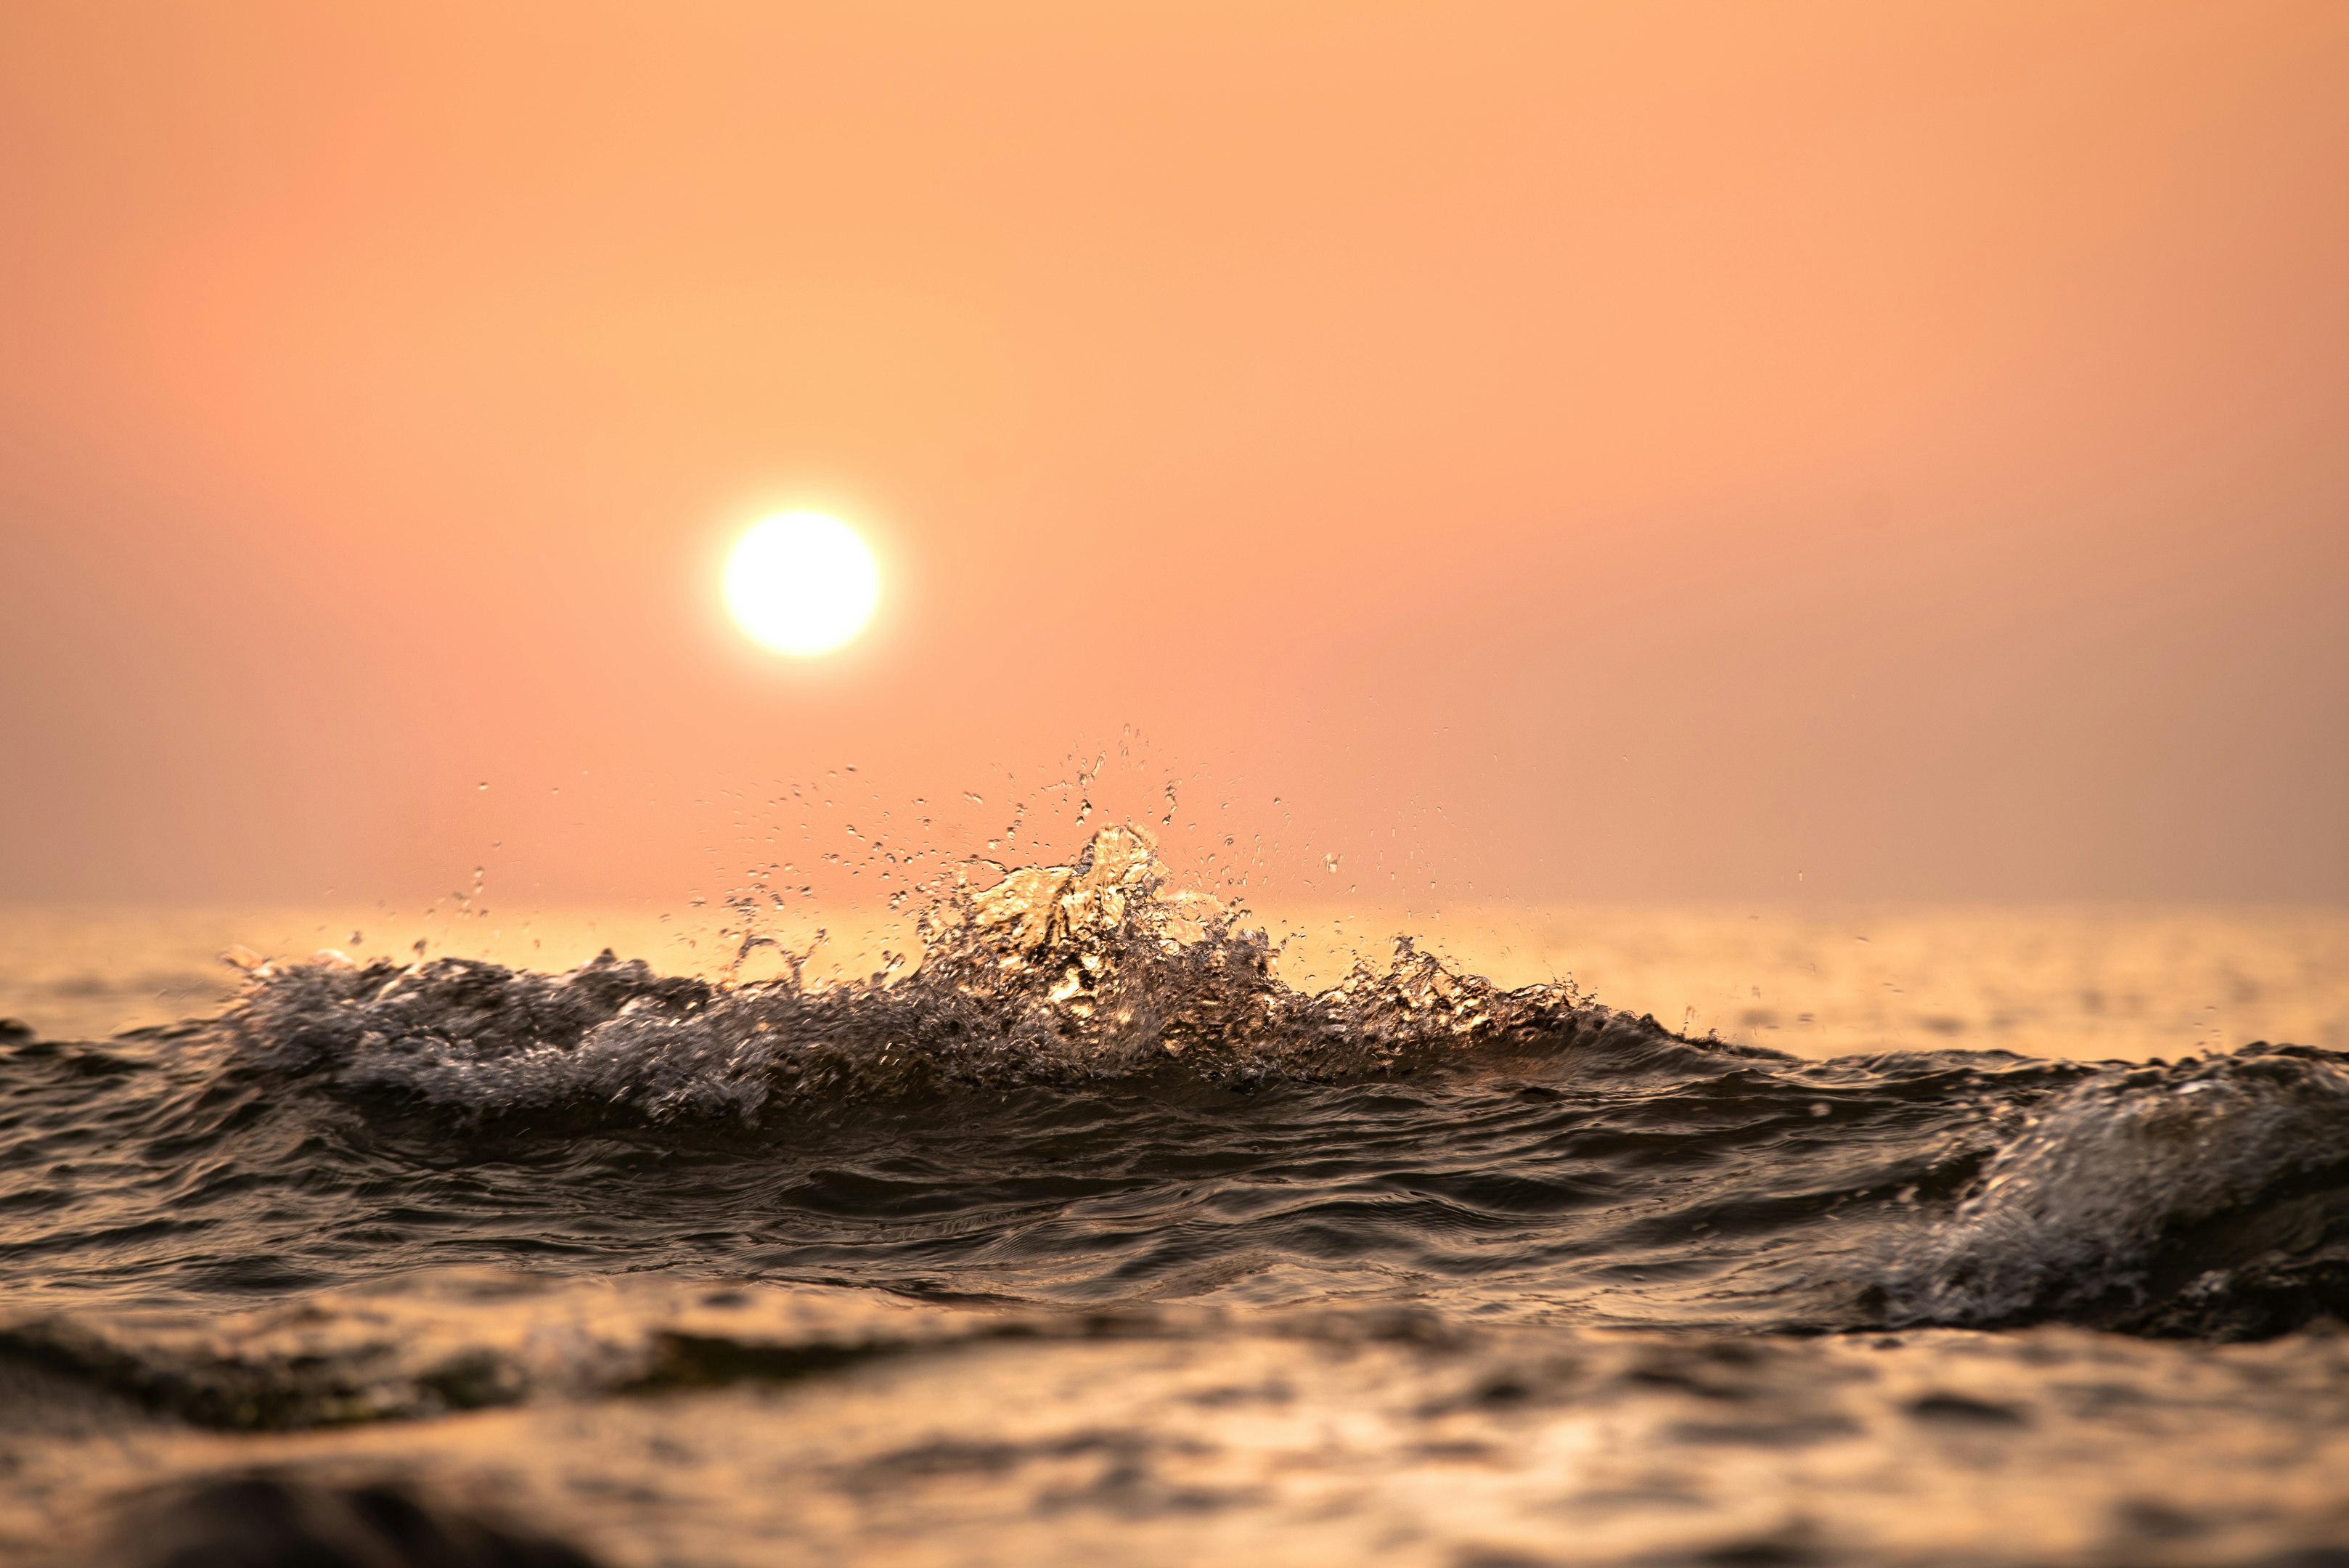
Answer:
(1101, 1218)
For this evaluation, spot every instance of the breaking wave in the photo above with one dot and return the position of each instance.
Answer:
(1090, 972)
(2211, 1197)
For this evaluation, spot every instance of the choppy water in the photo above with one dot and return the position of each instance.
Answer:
(1090, 1233)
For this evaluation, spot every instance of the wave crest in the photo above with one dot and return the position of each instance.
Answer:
(1087, 972)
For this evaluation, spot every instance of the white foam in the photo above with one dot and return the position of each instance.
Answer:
(2077, 1205)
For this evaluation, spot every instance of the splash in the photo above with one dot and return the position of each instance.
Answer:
(1092, 971)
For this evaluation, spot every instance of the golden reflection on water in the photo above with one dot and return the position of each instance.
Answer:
(933, 1437)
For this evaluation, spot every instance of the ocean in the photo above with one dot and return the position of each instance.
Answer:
(1106, 1220)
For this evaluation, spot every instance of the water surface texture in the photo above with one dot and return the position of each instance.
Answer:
(1090, 1232)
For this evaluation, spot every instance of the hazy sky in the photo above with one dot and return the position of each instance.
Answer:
(1636, 450)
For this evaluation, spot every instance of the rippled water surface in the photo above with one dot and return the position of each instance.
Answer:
(1091, 1231)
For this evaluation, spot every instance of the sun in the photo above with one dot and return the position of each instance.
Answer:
(802, 581)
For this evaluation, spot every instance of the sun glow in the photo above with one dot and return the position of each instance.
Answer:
(802, 583)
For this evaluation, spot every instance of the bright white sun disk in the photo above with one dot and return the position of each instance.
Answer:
(802, 581)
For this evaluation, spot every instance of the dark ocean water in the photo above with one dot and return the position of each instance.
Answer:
(370, 1197)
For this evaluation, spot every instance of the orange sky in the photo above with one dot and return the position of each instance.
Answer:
(1641, 449)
